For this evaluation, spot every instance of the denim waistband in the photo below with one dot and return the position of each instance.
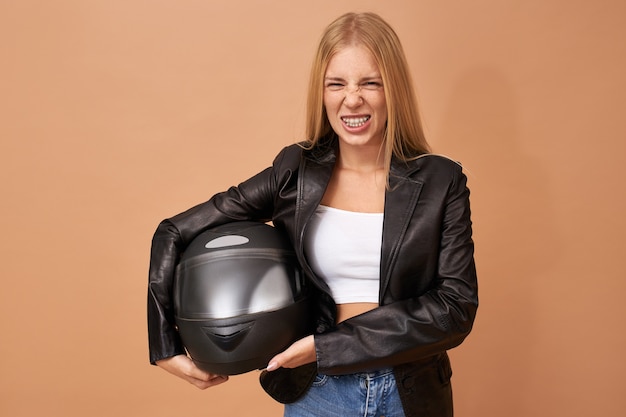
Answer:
(375, 374)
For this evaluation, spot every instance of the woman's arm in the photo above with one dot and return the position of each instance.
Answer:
(407, 330)
(251, 200)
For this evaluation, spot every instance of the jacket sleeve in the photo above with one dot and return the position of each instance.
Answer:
(414, 328)
(250, 200)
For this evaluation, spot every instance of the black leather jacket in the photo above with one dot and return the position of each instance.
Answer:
(428, 288)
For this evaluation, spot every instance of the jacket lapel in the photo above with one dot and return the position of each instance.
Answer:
(313, 178)
(400, 202)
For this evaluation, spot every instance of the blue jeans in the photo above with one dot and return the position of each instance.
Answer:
(371, 394)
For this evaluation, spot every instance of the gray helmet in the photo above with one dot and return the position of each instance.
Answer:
(239, 297)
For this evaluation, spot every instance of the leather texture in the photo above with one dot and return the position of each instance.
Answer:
(428, 286)
(288, 385)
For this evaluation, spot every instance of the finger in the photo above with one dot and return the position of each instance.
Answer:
(281, 360)
(194, 372)
(272, 365)
(211, 382)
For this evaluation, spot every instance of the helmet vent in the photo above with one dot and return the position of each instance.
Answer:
(227, 338)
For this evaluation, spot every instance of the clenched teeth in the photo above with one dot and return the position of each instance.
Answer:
(355, 121)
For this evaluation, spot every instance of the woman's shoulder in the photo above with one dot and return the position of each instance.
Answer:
(431, 163)
(289, 153)
(439, 160)
(320, 153)
(436, 168)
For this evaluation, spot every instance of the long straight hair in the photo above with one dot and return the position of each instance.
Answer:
(404, 136)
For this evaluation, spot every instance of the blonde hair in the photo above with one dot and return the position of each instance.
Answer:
(404, 136)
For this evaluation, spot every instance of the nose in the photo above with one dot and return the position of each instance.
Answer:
(353, 97)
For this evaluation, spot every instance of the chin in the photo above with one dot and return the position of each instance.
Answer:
(352, 140)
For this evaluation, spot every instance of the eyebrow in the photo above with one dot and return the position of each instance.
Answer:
(368, 78)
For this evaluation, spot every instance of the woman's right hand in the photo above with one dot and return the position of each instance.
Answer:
(184, 368)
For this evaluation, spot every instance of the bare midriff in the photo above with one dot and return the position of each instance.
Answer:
(346, 311)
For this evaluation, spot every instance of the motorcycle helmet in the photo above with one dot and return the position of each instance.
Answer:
(239, 297)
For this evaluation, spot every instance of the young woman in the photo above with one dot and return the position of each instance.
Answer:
(381, 228)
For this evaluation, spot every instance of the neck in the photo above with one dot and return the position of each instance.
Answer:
(361, 158)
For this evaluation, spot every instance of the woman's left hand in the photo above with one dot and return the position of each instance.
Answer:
(299, 353)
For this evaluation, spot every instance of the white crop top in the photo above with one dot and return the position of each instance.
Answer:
(343, 247)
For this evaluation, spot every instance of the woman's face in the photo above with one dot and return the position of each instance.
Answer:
(354, 97)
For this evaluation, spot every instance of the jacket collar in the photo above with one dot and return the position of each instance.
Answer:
(326, 153)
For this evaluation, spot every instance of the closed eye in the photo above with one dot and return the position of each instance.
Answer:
(372, 85)
(333, 85)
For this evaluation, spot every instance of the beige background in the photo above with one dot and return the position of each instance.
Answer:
(116, 114)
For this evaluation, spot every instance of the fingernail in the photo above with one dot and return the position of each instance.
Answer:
(272, 365)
